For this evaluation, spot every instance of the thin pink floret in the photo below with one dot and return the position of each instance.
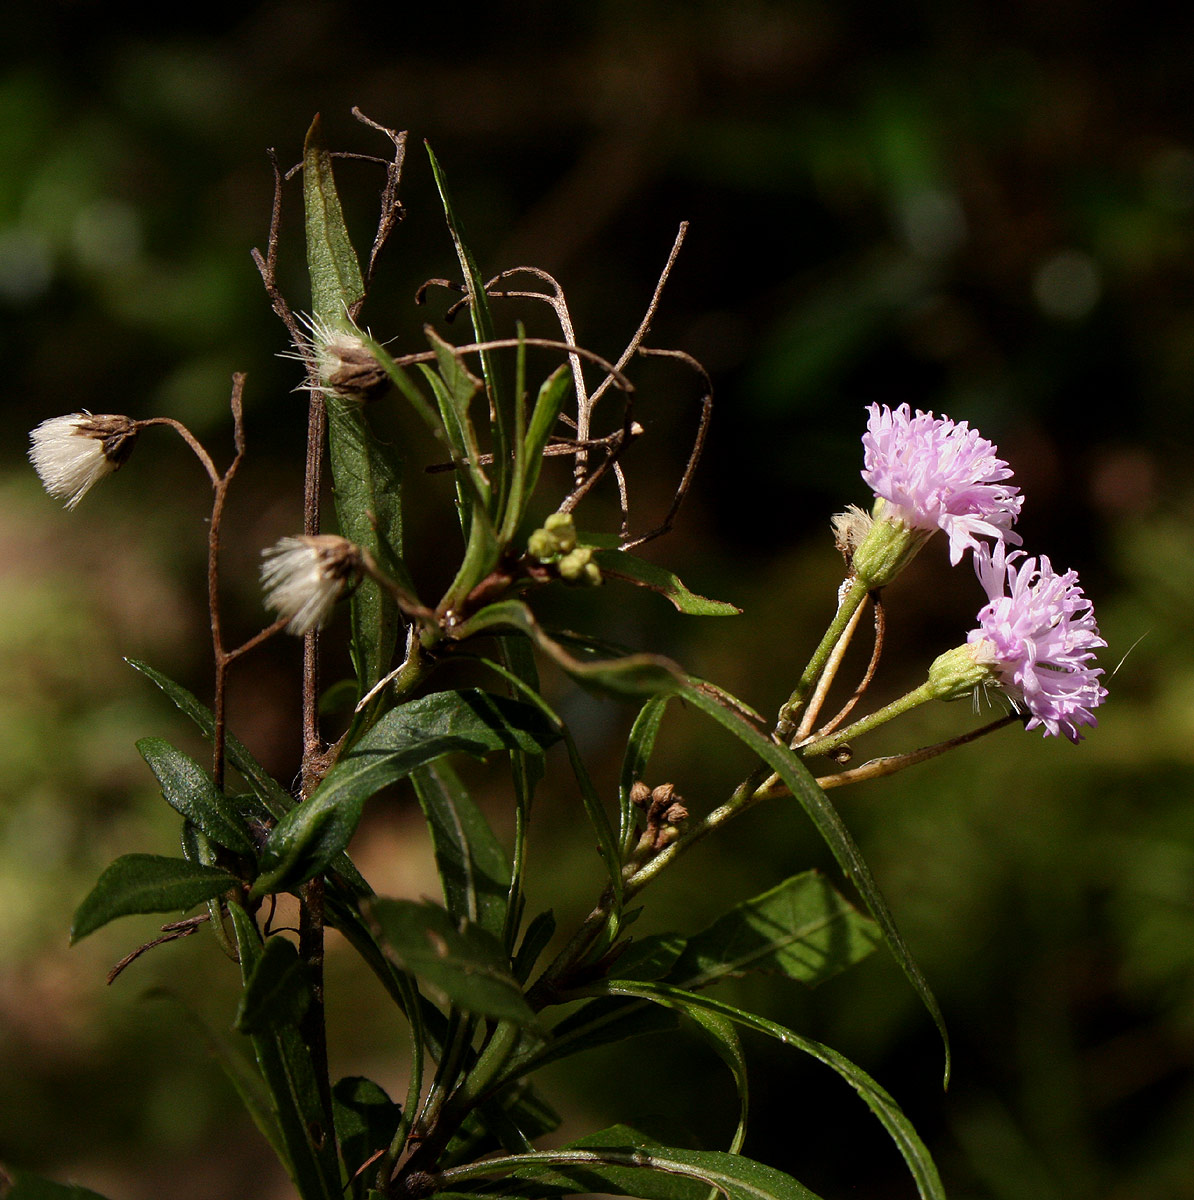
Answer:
(1038, 634)
(935, 474)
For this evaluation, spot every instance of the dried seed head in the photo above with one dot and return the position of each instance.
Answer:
(849, 530)
(305, 576)
(72, 454)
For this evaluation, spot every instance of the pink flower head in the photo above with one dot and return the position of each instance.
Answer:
(933, 474)
(1038, 635)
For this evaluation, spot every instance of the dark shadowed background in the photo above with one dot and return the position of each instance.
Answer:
(984, 210)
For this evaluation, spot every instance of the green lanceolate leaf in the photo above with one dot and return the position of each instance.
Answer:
(147, 883)
(829, 824)
(271, 793)
(336, 281)
(366, 474)
(21, 1185)
(621, 1161)
(284, 1061)
(189, 790)
(473, 867)
(898, 1127)
(478, 303)
(459, 960)
(366, 1121)
(547, 408)
(803, 928)
(617, 564)
(539, 933)
(310, 837)
(277, 992)
(630, 675)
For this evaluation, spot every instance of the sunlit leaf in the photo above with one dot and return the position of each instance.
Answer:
(147, 883)
(189, 790)
(472, 865)
(803, 928)
(618, 564)
(829, 824)
(899, 1128)
(623, 1162)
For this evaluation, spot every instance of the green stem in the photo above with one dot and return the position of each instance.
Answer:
(896, 708)
(845, 611)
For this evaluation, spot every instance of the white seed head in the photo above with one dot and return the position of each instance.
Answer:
(72, 454)
(346, 364)
(304, 577)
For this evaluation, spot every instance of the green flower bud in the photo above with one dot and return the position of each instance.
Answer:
(574, 565)
(956, 673)
(542, 545)
(561, 527)
(887, 549)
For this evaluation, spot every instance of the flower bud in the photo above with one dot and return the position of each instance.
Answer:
(562, 529)
(889, 546)
(956, 673)
(72, 454)
(578, 567)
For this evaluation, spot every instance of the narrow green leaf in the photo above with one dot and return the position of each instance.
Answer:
(803, 928)
(336, 281)
(285, 1064)
(720, 1033)
(639, 747)
(623, 1162)
(539, 933)
(309, 838)
(147, 883)
(189, 790)
(463, 962)
(366, 1121)
(473, 867)
(277, 992)
(271, 793)
(630, 675)
(367, 491)
(831, 828)
(618, 564)
(594, 809)
(899, 1128)
(478, 303)
(366, 474)
(21, 1185)
(548, 404)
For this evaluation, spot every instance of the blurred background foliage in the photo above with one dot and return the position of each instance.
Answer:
(981, 209)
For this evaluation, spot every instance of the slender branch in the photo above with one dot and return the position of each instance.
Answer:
(868, 675)
(827, 677)
(889, 765)
(191, 440)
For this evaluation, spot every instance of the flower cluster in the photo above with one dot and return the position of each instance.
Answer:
(1036, 636)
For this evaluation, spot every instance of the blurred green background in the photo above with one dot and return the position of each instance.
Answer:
(980, 209)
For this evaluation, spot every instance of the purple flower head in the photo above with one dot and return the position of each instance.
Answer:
(933, 474)
(1038, 635)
